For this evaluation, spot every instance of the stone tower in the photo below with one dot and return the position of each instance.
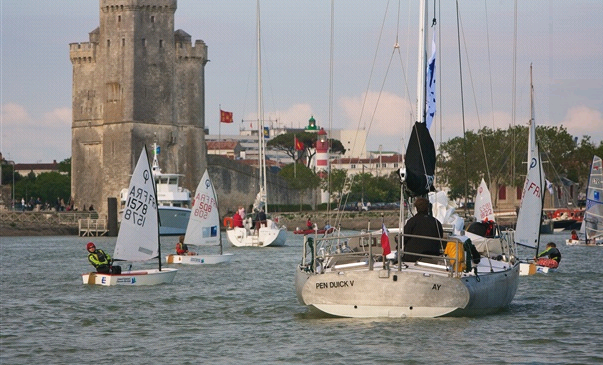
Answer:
(136, 82)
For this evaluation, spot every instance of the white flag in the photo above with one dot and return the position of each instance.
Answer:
(549, 186)
(431, 86)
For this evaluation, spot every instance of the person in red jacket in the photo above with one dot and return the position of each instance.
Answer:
(237, 219)
(182, 248)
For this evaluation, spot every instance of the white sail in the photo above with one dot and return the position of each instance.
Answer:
(593, 215)
(483, 203)
(527, 231)
(138, 237)
(204, 223)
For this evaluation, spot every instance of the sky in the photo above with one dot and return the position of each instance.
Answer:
(373, 83)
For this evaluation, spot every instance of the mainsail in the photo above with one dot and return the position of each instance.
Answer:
(483, 203)
(138, 237)
(204, 223)
(593, 215)
(530, 211)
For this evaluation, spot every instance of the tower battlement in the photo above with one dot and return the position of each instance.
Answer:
(187, 50)
(82, 52)
(154, 5)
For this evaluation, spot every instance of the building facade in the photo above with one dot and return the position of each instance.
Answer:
(135, 82)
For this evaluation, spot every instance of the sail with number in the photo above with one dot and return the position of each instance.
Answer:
(483, 203)
(204, 223)
(138, 237)
(593, 215)
(527, 231)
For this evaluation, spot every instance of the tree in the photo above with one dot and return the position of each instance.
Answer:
(336, 183)
(300, 177)
(285, 142)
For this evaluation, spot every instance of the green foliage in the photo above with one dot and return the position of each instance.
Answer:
(368, 188)
(47, 186)
(285, 143)
(499, 156)
(299, 177)
(338, 182)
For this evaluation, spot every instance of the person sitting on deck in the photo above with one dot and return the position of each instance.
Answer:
(309, 224)
(237, 219)
(422, 224)
(182, 248)
(553, 259)
(101, 261)
(574, 235)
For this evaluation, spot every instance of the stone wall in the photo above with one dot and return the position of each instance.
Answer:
(238, 184)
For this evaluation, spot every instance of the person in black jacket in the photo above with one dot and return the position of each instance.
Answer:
(422, 224)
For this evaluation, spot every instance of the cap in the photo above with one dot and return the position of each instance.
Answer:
(90, 245)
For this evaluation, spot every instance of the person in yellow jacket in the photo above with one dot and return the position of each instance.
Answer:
(101, 261)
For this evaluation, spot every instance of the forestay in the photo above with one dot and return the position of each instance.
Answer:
(138, 237)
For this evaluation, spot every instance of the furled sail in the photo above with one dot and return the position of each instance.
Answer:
(420, 161)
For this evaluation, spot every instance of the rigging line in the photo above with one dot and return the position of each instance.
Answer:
(474, 98)
(329, 141)
(458, 33)
(491, 90)
(514, 87)
(439, 83)
(370, 78)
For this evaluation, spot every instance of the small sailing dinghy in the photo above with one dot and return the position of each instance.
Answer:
(138, 237)
(203, 227)
(591, 231)
(529, 218)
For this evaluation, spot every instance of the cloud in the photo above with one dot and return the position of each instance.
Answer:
(27, 139)
(582, 120)
(391, 110)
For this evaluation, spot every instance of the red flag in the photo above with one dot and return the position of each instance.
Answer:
(225, 117)
(299, 146)
(385, 241)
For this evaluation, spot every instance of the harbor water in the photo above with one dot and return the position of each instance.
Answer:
(246, 312)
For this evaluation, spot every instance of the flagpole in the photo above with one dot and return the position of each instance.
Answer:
(294, 153)
(220, 129)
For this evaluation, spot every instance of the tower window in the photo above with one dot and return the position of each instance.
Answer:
(108, 43)
(152, 18)
(119, 18)
(144, 42)
(161, 43)
(123, 42)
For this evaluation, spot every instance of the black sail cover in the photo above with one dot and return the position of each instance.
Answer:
(420, 161)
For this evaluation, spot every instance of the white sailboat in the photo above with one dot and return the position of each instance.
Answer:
(483, 204)
(138, 237)
(591, 231)
(529, 218)
(269, 233)
(203, 227)
(347, 275)
(174, 201)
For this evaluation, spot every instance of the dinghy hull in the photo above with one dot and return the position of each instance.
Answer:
(131, 278)
(199, 259)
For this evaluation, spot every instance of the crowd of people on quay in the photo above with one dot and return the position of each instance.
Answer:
(36, 205)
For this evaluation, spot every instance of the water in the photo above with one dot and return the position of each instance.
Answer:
(246, 312)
